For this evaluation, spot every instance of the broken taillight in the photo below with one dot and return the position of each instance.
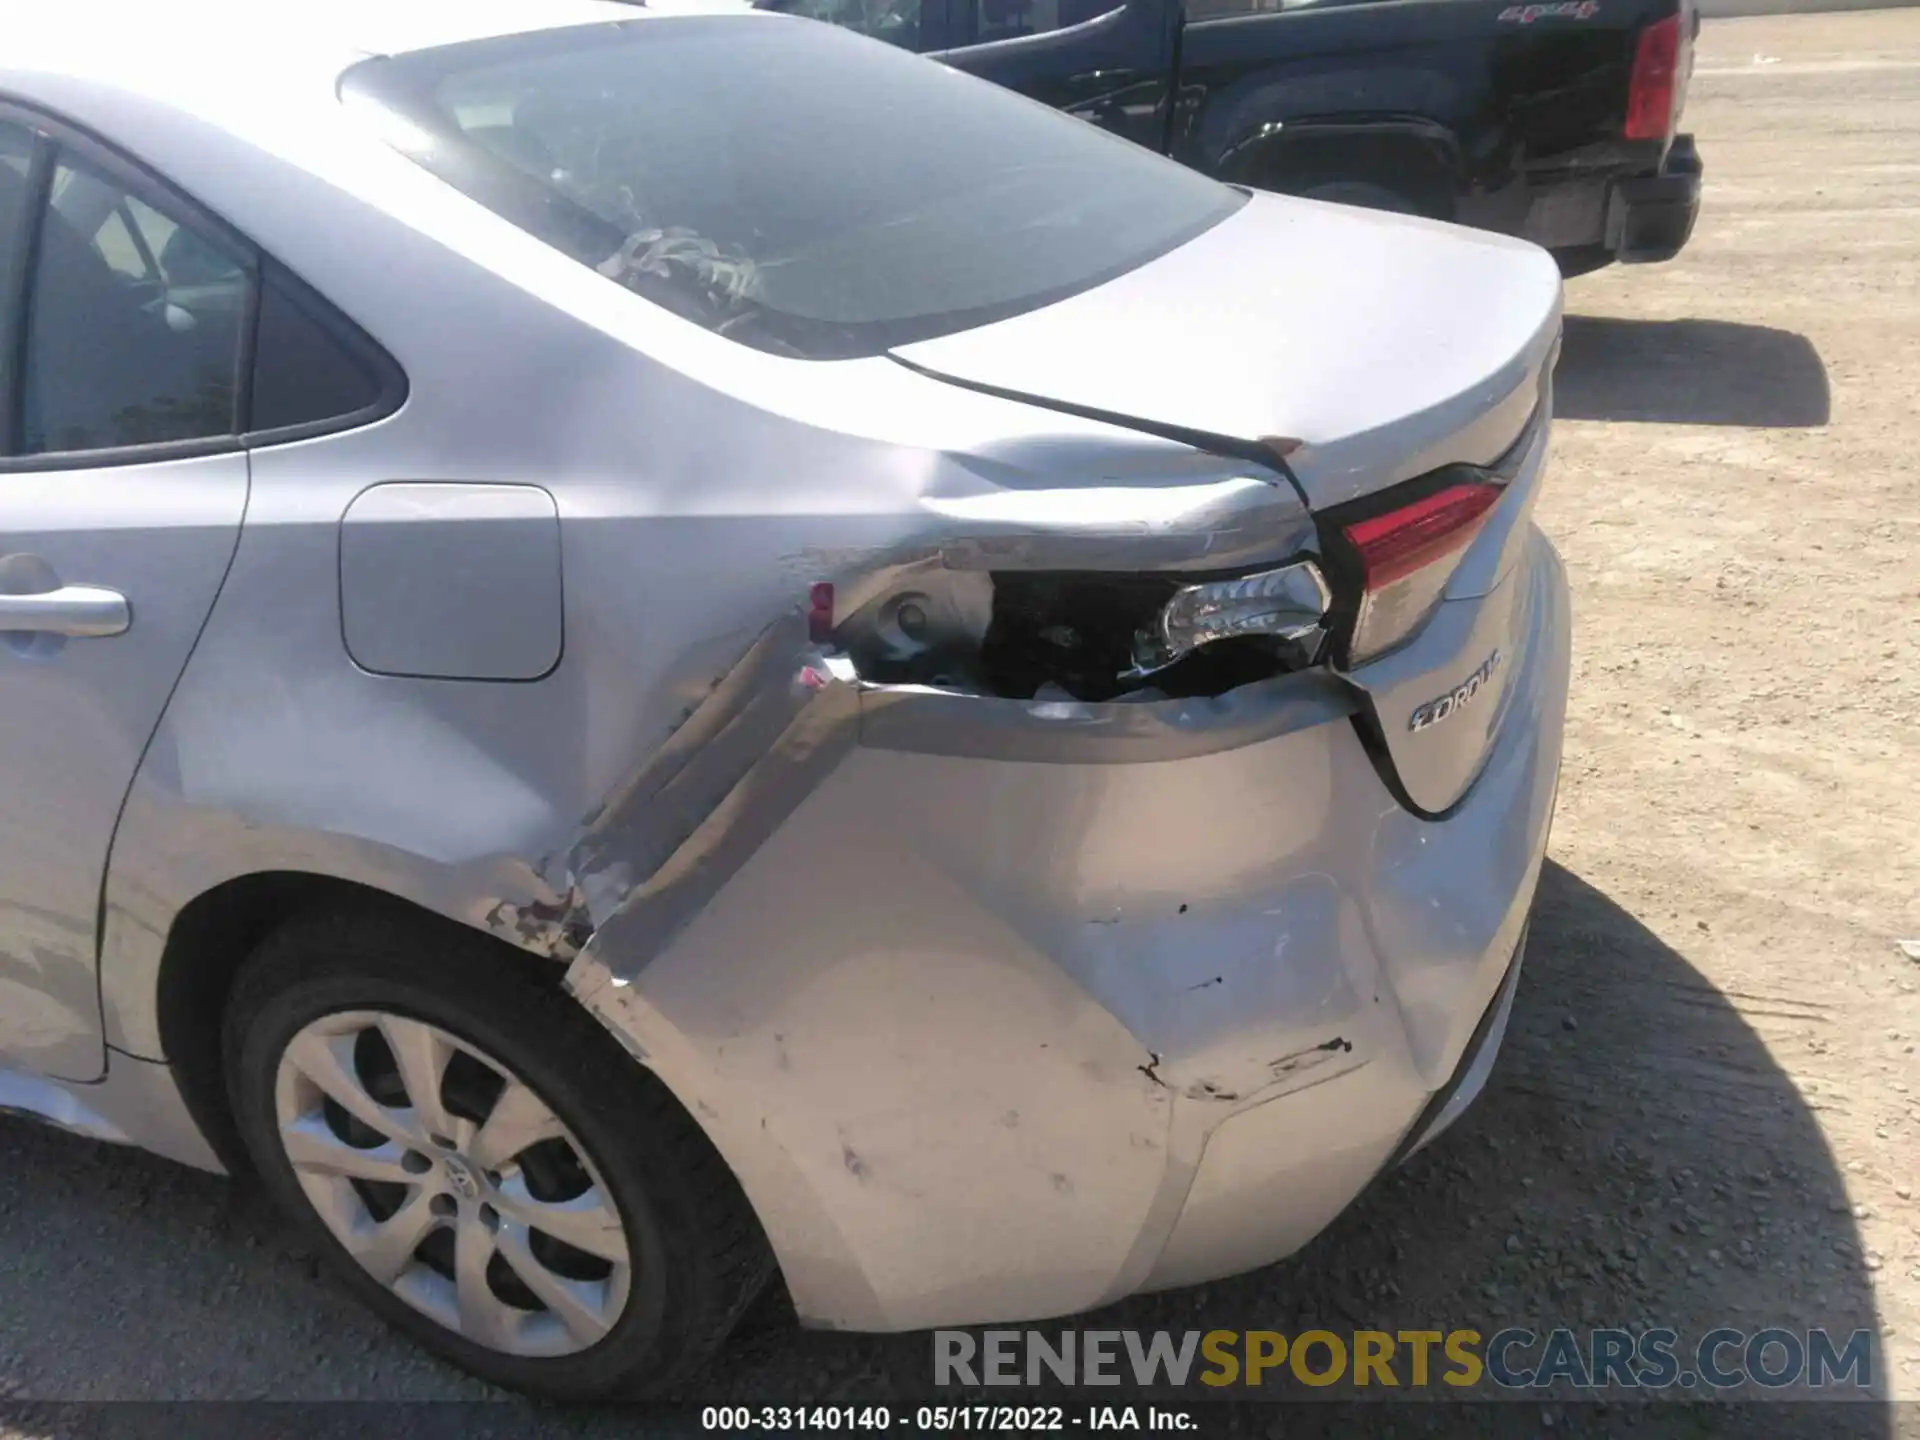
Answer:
(1405, 558)
(1651, 112)
(1284, 607)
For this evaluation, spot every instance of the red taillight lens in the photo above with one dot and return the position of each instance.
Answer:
(1394, 545)
(1406, 558)
(1656, 73)
(820, 612)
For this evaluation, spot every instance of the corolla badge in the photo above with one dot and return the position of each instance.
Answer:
(1442, 707)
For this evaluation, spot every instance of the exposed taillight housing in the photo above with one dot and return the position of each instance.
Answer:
(1285, 608)
(1653, 93)
(1401, 559)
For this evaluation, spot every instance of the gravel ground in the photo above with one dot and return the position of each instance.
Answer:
(1707, 1111)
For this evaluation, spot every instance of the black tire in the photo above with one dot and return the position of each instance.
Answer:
(1582, 260)
(698, 1256)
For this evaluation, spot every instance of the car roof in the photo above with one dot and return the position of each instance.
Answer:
(225, 55)
(101, 36)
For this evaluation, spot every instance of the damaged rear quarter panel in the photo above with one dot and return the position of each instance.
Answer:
(930, 940)
(944, 990)
(892, 1072)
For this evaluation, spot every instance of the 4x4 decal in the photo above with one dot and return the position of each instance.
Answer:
(1564, 10)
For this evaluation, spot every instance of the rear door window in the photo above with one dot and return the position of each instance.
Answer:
(113, 357)
(313, 368)
(16, 215)
(130, 319)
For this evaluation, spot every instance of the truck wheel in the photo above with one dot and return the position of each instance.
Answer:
(1582, 260)
(480, 1160)
(1363, 193)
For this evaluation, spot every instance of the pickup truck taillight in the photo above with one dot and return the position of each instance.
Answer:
(1651, 111)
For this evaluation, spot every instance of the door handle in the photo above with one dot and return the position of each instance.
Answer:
(77, 611)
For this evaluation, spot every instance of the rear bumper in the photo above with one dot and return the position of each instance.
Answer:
(1637, 219)
(1260, 1194)
(1650, 219)
(1002, 1024)
(1454, 1098)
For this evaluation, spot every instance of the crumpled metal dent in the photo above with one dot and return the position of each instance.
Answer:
(557, 930)
(665, 841)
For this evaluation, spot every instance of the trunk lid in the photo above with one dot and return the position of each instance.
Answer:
(1387, 345)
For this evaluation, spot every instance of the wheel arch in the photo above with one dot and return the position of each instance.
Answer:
(1417, 158)
(210, 940)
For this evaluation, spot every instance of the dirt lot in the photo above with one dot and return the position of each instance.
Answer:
(1709, 1110)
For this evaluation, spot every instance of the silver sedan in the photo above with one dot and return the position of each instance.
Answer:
(645, 651)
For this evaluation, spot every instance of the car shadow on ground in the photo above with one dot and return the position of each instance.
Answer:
(1689, 372)
(1638, 1160)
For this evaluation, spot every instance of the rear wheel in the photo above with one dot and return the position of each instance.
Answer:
(482, 1162)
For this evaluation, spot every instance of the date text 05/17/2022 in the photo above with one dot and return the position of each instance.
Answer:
(764, 1419)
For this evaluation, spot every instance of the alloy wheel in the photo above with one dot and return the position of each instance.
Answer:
(449, 1181)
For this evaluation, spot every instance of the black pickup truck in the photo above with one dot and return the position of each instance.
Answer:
(1556, 121)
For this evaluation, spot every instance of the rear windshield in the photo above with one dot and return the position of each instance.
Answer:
(795, 187)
